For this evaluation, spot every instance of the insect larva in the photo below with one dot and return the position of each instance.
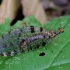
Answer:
(25, 39)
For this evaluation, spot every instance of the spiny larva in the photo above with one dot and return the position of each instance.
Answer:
(25, 39)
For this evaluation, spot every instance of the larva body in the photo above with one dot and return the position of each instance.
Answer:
(25, 39)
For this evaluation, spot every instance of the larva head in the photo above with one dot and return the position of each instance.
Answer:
(52, 33)
(60, 30)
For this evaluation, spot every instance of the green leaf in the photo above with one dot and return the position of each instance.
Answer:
(18, 24)
(57, 52)
(5, 27)
(62, 58)
(31, 21)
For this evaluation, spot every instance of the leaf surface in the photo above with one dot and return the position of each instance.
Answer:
(57, 52)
